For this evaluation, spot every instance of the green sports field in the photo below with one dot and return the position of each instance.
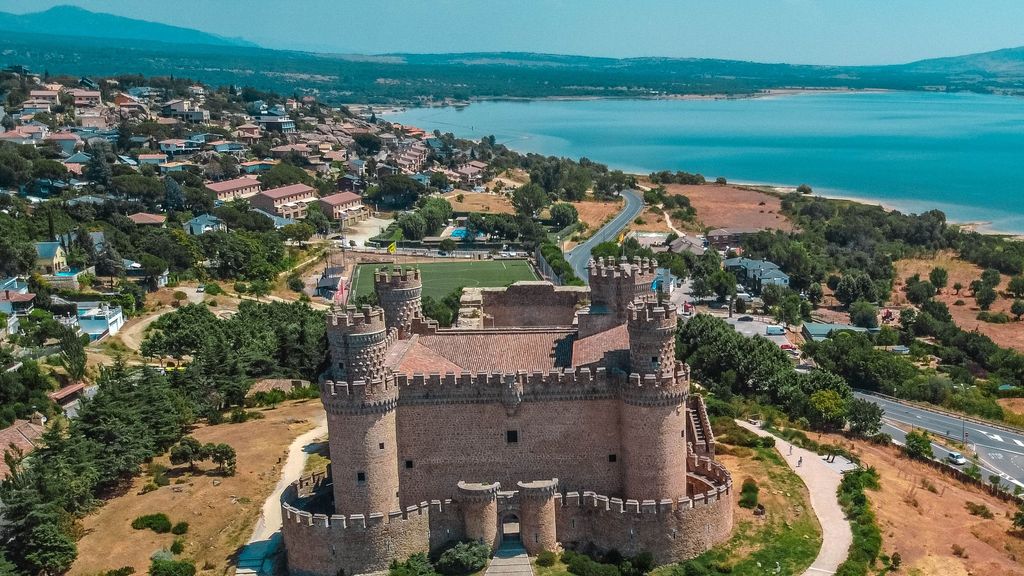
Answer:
(440, 278)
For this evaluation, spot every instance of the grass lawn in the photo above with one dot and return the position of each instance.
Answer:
(441, 278)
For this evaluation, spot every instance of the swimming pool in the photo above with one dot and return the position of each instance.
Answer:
(459, 233)
(69, 272)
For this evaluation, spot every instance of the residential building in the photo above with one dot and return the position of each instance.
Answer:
(177, 146)
(257, 166)
(286, 201)
(50, 257)
(168, 167)
(31, 107)
(154, 159)
(755, 274)
(286, 149)
(248, 133)
(51, 96)
(99, 319)
(86, 98)
(235, 188)
(204, 223)
(344, 206)
(68, 142)
(725, 238)
(22, 435)
(278, 221)
(227, 147)
(133, 270)
(274, 123)
(818, 331)
(186, 111)
(146, 219)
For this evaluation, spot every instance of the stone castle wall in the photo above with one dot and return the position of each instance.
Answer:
(531, 304)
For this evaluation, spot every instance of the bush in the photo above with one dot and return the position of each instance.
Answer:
(582, 565)
(748, 493)
(768, 441)
(546, 558)
(180, 528)
(122, 571)
(295, 284)
(994, 317)
(241, 288)
(416, 565)
(979, 510)
(213, 289)
(463, 558)
(178, 546)
(164, 567)
(158, 523)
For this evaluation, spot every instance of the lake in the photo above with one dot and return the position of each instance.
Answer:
(915, 151)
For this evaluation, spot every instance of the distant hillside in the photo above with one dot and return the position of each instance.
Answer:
(420, 78)
(78, 22)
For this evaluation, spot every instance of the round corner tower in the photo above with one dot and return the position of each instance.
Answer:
(360, 402)
(399, 293)
(653, 410)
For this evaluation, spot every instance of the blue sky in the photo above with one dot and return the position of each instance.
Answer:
(796, 31)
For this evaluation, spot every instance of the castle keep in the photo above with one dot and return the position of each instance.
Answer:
(582, 433)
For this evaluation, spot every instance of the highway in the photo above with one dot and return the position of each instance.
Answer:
(999, 450)
(579, 256)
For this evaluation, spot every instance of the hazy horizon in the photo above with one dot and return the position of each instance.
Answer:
(790, 31)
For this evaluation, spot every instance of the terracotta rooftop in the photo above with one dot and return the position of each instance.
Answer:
(498, 350)
(285, 191)
(594, 348)
(22, 434)
(143, 218)
(341, 198)
(233, 184)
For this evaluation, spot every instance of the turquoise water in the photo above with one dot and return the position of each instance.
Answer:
(960, 153)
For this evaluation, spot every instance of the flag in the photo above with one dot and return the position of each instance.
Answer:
(393, 248)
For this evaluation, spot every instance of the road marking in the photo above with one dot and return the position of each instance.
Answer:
(1019, 443)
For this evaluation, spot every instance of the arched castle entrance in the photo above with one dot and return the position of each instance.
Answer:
(510, 529)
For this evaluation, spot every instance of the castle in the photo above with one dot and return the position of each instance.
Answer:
(564, 419)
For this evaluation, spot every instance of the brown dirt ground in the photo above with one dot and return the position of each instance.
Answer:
(594, 213)
(923, 526)
(478, 202)
(965, 316)
(733, 207)
(220, 517)
(1015, 405)
(653, 222)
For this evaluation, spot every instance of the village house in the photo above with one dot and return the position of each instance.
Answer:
(343, 206)
(248, 133)
(154, 159)
(51, 96)
(286, 201)
(33, 107)
(286, 149)
(756, 274)
(226, 147)
(15, 299)
(86, 98)
(23, 436)
(146, 219)
(471, 173)
(235, 188)
(99, 319)
(204, 223)
(186, 111)
(275, 123)
(725, 238)
(67, 141)
(177, 146)
(50, 257)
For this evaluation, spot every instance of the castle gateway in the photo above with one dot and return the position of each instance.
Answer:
(583, 435)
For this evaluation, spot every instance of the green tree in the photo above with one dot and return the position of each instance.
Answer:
(985, 297)
(284, 174)
(169, 567)
(957, 287)
(528, 199)
(918, 292)
(864, 314)
(447, 245)
(316, 219)
(1018, 517)
(98, 169)
(1016, 286)
(17, 256)
(188, 451)
(804, 189)
(827, 410)
(563, 214)
(259, 288)
(853, 286)
(918, 445)
(991, 277)
(72, 354)
(723, 284)
(938, 277)
(153, 267)
(815, 293)
(1017, 308)
(223, 455)
(297, 232)
(174, 198)
(864, 417)
(413, 226)
(49, 170)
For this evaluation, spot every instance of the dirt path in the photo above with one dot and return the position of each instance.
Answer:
(266, 537)
(822, 480)
(133, 332)
(668, 222)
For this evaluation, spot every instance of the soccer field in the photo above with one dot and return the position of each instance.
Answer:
(440, 278)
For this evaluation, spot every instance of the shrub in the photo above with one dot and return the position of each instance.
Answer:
(994, 317)
(768, 441)
(178, 546)
(164, 567)
(463, 558)
(546, 558)
(416, 565)
(213, 289)
(582, 565)
(295, 284)
(122, 571)
(158, 523)
(959, 551)
(979, 510)
(748, 493)
(180, 528)
(241, 288)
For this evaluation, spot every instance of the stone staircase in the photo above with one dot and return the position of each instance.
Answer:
(699, 437)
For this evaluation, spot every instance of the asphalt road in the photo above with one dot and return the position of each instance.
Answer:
(579, 256)
(999, 450)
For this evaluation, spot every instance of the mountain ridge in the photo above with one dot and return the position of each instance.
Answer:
(72, 21)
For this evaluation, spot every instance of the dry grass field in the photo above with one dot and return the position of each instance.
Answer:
(480, 202)
(733, 207)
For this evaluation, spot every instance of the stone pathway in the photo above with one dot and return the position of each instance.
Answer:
(822, 481)
(510, 561)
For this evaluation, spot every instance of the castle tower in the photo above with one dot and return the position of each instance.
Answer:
(652, 337)
(613, 285)
(653, 410)
(537, 523)
(479, 504)
(399, 294)
(360, 405)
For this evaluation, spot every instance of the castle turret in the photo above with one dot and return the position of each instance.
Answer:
(653, 410)
(613, 285)
(360, 405)
(652, 337)
(479, 503)
(399, 294)
(537, 524)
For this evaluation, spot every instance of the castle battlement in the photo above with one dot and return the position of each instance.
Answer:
(654, 312)
(721, 488)
(361, 521)
(622, 268)
(352, 317)
(397, 278)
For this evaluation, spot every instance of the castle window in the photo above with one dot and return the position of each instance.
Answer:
(341, 365)
(512, 436)
(360, 478)
(654, 359)
(612, 458)
(408, 463)
(381, 445)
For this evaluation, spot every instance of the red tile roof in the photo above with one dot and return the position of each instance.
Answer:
(23, 435)
(146, 218)
(499, 350)
(341, 198)
(8, 296)
(234, 184)
(594, 348)
(285, 191)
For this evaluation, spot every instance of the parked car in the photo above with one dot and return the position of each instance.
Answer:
(200, 289)
(956, 458)
(745, 319)
(775, 331)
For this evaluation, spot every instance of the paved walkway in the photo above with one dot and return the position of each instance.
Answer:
(509, 561)
(822, 480)
(257, 554)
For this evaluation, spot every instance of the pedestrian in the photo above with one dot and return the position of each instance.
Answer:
(790, 449)
(800, 462)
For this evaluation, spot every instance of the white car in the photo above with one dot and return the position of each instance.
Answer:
(956, 458)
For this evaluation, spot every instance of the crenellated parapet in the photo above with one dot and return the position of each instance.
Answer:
(359, 396)
(358, 340)
(399, 293)
(652, 342)
(661, 389)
